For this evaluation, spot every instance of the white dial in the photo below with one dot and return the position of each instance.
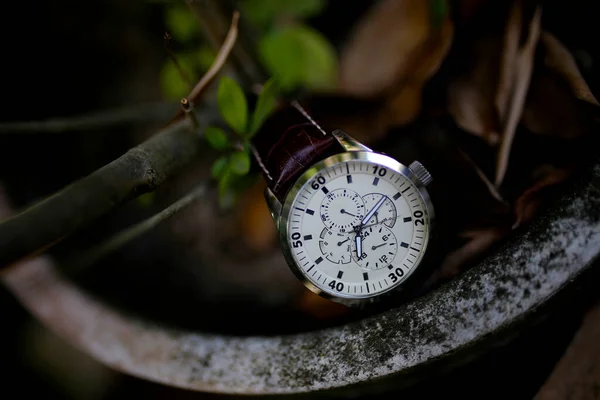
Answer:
(357, 228)
(386, 213)
(342, 209)
(336, 248)
(379, 247)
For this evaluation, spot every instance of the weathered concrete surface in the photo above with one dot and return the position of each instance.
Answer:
(506, 287)
(577, 375)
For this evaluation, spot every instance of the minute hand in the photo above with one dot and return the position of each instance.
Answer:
(373, 210)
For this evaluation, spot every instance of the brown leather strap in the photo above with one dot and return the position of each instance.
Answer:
(287, 144)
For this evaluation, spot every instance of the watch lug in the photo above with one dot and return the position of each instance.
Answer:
(348, 142)
(274, 206)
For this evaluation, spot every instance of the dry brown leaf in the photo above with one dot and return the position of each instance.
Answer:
(486, 98)
(471, 94)
(523, 67)
(552, 106)
(404, 102)
(393, 51)
(256, 224)
(528, 203)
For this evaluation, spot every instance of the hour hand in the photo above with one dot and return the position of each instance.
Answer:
(358, 245)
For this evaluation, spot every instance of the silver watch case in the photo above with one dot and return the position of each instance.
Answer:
(354, 151)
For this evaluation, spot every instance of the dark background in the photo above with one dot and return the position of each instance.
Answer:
(63, 58)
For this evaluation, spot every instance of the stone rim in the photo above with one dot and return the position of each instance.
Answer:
(504, 288)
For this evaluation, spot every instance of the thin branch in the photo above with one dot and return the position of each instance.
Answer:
(213, 16)
(127, 235)
(173, 58)
(144, 113)
(141, 170)
(217, 65)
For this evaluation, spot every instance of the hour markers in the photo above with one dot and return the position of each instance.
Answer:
(406, 189)
(309, 211)
(299, 209)
(375, 181)
(349, 178)
(318, 260)
(407, 219)
(365, 276)
(397, 196)
(311, 267)
(340, 274)
(412, 248)
(404, 244)
(308, 237)
(325, 190)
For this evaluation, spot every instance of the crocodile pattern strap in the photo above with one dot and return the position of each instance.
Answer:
(287, 144)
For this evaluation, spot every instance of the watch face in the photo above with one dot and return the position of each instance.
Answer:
(356, 225)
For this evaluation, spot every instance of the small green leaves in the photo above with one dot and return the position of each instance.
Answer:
(218, 167)
(267, 100)
(233, 105)
(299, 56)
(216, 137)
(240, 162)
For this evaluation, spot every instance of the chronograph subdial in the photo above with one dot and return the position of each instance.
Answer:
(386, 213)
(341, 210)
(336, 247)
(379, 247)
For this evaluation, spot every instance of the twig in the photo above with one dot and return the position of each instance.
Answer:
(139, 171)
(185, 76)
(216, 66)
(125, 236)
(214, 69)
(151, 112)
(142, 169)
(213, 16)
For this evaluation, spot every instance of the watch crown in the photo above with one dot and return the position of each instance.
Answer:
(422, 174)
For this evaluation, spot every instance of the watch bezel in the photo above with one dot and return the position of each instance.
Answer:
(369, 156)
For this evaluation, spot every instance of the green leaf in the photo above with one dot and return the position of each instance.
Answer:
(181, 23)
(233, 105)
(219, 166)
(226, 189)
(264, 12)
(173, 85)
(267, 100)
(240, 162)
(216, 137)
(299, 56)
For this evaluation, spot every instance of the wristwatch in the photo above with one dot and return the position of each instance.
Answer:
(354, 224)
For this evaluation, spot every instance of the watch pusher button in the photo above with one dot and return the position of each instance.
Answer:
(421, 172)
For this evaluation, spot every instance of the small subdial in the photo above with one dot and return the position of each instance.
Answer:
(342, 209)
(385, 214)
(379, 247)
(336, 247)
